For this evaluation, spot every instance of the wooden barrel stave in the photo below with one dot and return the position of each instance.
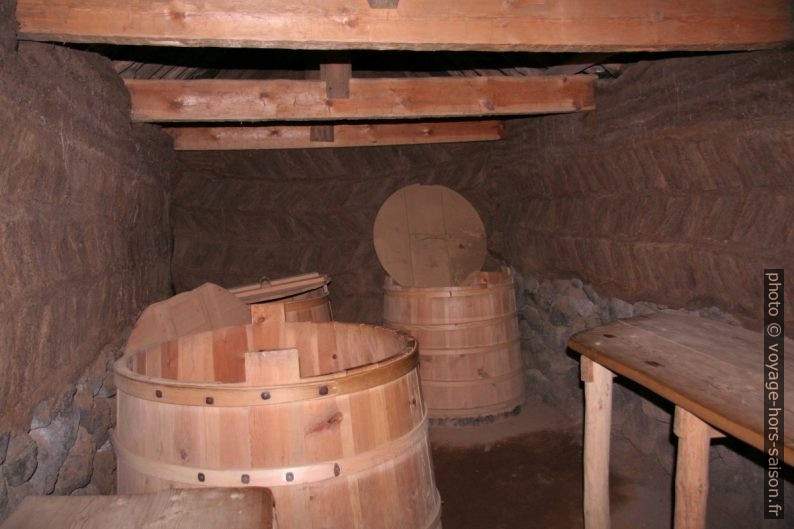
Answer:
(471, 363)
(364, 441)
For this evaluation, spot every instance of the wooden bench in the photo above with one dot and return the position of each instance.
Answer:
(209, 508)
(711, 371)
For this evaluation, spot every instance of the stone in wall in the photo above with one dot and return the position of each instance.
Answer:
(3, 496)
(67, 448)
(76, 470)
(21, 460)
(5, 437)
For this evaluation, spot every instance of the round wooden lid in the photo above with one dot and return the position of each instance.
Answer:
(429, 236)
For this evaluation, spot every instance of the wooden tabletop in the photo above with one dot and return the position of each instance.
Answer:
(711, 369)
(210, 508)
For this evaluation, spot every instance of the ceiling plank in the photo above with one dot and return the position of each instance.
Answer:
(345, 135)
(528, 25)
(299, 100)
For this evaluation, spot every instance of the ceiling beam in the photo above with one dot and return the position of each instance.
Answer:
(404, 98)
(345, 135)
(528, 25)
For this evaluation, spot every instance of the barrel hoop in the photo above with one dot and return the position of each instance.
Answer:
(447, 321)
(457, 351)
(448, 292)
(509, 317)
(238, 394)
(508, 405)
(275, 477)
(471, 382)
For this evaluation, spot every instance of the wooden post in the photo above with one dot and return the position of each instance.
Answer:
(597, 422)
(691, 470)
(383, 4)
(324, 133)
(337, 73)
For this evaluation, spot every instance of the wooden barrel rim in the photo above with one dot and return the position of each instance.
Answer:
(238, 394)
(274, 477)
(499, 407)
(472, 381)
(477, 349)
(471, 324)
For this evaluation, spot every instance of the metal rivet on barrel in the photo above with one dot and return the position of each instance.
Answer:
(323, 390)
(201, 477)
(245, 478)
(209, 400)
(337, 470)
(158, 394)
(290, 476)
(265, 395)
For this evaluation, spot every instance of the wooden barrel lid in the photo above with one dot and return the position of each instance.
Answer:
(429, 236)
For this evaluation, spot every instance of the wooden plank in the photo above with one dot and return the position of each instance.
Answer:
(285, 100)
(274, 366)
(711, 369)
(528, 25)
(267, 290)
(201, 309)
(345, 135)
(209, 508)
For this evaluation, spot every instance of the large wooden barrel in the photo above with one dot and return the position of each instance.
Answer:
(329, 416)
(469, 347)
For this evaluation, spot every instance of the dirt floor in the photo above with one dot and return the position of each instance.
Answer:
(526, 471)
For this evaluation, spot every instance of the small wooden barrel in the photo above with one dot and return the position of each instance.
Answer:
(314, 305)
(302, 298)
(329, 416)
(470, 352)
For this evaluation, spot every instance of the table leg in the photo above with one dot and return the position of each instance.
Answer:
(691, 470)
(597, 422)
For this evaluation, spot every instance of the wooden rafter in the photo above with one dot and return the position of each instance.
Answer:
(288, 100)
(529, 25)
(345, 135)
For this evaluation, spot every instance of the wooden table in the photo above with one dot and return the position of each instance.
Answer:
(711, 371)
(208, 508)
